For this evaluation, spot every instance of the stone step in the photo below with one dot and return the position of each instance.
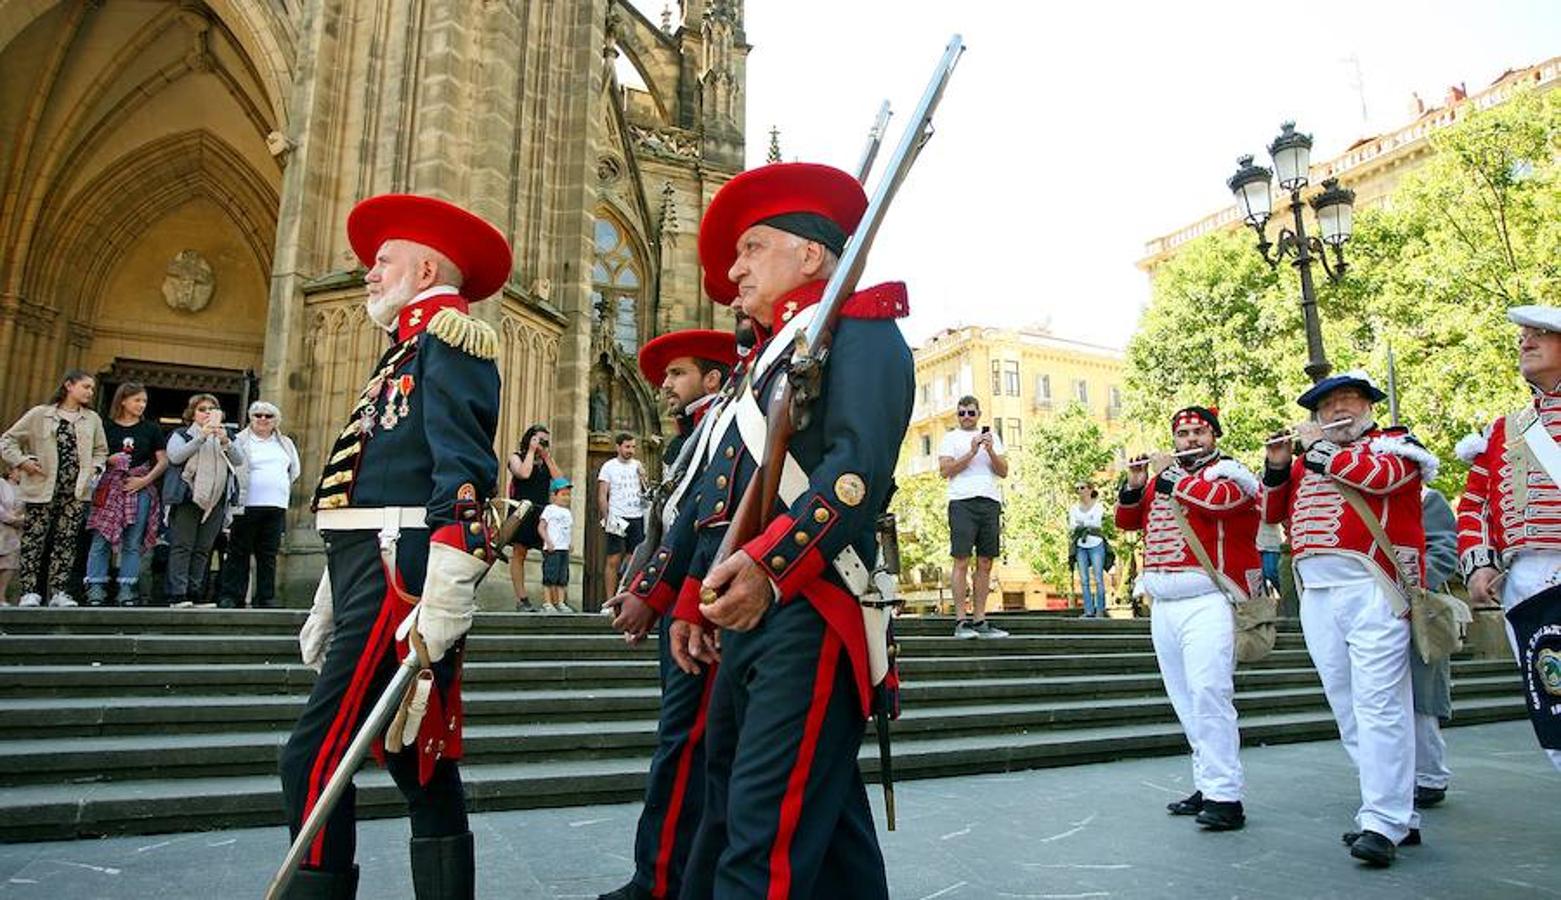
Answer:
(500, 739)
(66, 811)
(103, 713)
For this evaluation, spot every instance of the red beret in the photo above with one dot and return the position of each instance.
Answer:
(478, 249)
(715, 346)
(773, 190)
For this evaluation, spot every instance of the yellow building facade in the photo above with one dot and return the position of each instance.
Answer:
(1021, 377)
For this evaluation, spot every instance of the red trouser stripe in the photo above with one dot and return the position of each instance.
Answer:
(669, 825)
(339, 735)
(796, 785)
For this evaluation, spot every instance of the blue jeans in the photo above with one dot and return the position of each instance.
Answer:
(129, 547)
(1092, 560)
(1271, 567)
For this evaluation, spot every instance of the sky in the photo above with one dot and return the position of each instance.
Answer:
(1072, 133)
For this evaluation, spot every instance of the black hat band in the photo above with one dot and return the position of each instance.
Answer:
(810, 227)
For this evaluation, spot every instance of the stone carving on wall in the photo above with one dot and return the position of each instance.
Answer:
(666, 141)
(190, 282)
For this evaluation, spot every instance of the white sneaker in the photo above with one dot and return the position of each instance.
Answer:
(30, 600)
(61, 599)
(548, 609)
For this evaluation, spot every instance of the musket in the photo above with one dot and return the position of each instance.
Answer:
(1392, 386)
(384, 710)
(874, 139)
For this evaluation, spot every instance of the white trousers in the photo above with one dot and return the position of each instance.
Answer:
(1195, 644)
(1528, 573)
(1361, 651)
(1430, 753)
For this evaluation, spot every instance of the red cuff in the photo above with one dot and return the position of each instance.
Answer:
(686, 606)
(660, 598)
(468, 533)
(788, 550)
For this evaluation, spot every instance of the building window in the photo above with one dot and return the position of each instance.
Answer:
(1043, 390)
(997, 378)
(1013, 432)
(1081, 391)
(926, 445)
(616, 285)
(1113, 402)
(926, 394)
(1011, 378)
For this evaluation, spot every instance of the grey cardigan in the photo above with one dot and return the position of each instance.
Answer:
(182, 444)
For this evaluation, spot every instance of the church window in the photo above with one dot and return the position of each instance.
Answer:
(617, 286)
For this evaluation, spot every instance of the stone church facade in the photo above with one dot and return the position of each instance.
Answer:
(176, 175)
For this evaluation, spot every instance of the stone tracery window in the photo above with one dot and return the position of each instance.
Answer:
(617, 285)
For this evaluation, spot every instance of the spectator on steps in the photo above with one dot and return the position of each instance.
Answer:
(557, 530)
(125, 500)
(265, 482)
(60, 448)
(972, 461)
(1085, 520)
(531, 470)
(11, 518)
(202, 460)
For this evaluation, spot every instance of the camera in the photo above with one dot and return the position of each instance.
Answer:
(544, 443)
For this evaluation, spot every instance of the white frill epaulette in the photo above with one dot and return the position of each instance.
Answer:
(1402, 445)
(1236, 472)
(1471, 446)
(465, 333)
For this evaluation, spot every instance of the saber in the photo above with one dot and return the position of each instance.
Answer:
(384, 709)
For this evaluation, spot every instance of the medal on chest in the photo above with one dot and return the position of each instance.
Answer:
(398, 393)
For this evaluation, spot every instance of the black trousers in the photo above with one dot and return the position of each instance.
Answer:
(257, 533)
(786, 810)
(675, 788)
(358, 666)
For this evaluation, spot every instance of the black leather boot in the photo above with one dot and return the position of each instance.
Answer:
(313, 884)
(1188, 807)
(444, 868)
(1222, 815)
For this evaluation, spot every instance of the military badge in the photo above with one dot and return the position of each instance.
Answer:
(850, 489)
(1547, 667)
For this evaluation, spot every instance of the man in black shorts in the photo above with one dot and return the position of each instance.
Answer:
(972, 460)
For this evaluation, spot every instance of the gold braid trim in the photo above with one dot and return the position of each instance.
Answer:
(458, 329)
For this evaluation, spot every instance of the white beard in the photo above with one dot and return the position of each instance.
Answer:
(384, 308)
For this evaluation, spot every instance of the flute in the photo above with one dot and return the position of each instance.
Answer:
(1290, 435)
(1143, 460)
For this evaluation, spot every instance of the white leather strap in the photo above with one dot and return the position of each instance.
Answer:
(1540, 441)
(370, 518)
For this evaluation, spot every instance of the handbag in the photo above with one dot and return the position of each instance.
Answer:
(1437, 621)
(1256, 618)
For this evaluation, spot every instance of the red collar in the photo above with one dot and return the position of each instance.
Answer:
(881, 301)
(414, 317)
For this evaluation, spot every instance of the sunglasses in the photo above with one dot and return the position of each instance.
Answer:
(968, 413)
(261, 416)
(205, 409)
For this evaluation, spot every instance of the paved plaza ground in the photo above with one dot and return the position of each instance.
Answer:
(1097, 831)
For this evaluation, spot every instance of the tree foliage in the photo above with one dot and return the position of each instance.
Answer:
(1059, 452)
(1432, 273)
(920, 507)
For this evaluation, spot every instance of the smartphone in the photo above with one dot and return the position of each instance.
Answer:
(986, 429)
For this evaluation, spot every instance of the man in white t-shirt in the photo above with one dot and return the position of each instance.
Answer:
(972, 460)
(620, 490)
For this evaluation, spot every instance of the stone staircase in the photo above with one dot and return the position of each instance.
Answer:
(141, 721)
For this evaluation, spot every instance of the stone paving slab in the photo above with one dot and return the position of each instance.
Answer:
(1096, 831)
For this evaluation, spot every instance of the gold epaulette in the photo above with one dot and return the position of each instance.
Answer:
(458, 329)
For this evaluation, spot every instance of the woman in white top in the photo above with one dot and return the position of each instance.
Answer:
(260, 514)
(1089, 549)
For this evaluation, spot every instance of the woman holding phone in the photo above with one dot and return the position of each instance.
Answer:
(201, 464)
(531, 470)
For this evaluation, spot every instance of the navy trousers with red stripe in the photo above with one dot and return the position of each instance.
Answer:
(786, 812)
(675, 787)
(358, 666)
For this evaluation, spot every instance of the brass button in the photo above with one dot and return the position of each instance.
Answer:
(645, 585)
(720, 481)
(821, 515)
(777, 562)
(480, 553)
(650, 570)
(801, 538)
(729, 452)
(720, 505)
(476, 528)
(661, 555)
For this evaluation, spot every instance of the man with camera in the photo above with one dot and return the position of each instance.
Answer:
(973, 461)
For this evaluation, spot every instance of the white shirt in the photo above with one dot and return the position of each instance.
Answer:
(624, 488)
(268, 477)
(976, 479)
(560, 525)
(1079, 517)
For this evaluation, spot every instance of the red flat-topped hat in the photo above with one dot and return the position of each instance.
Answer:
(699, 343)
(479, 250)
(816, 202)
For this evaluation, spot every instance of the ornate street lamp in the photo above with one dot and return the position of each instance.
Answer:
(1333, 207)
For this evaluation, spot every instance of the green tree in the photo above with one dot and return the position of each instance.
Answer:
(1474, 231)
(1058, 453)
(920, 507)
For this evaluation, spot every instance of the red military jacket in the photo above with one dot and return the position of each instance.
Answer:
(1386, 466)
(1220, 502)
(1499, 515)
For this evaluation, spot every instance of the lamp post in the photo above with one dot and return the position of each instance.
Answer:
(1333, 208)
